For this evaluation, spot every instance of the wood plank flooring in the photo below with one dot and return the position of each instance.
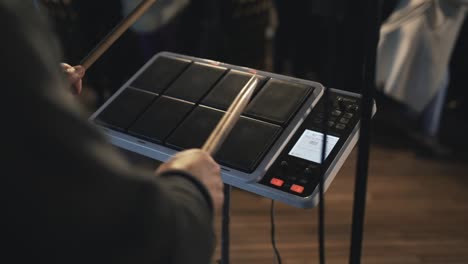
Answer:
(417, 212)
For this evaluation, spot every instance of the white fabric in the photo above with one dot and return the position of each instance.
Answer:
(416, 43)
(157, 16)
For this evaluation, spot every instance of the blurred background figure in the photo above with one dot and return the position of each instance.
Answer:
(161, 27)
(416, 45)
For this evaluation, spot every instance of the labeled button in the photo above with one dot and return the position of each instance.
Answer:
(303, 181)
(353, 107)
(341, 103)
(348, 115)
(297, 188)
(344, 120)
(331, 123)
(277, 182)
(284, 164)
(336, 113)
(340, 126)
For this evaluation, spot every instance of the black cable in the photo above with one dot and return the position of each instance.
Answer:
(273, 236)
(225, 225)
(321, 207)
(330, 66)
(371, 24)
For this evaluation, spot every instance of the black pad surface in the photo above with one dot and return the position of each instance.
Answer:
(222, 95)
(161, 118)
(195, 129)
(247, 144)
(243, 149)
(195, 82)
(159, 75)
(125, 109)
(278, 101)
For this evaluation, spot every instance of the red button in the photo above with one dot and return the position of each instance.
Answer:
(277, 182)
(297, 188)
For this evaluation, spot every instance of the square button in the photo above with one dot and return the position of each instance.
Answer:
(340, 126)
(195, 82)
(277, 182)
(344, 120)
(297, 188)
(160, 74)
(336, 113)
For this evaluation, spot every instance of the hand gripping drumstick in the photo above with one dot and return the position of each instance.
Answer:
(230, 118)
(233, 113)
(116, 33)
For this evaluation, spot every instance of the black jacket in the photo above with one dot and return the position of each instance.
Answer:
(67, 195)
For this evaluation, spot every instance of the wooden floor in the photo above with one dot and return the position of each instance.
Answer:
(417, 212)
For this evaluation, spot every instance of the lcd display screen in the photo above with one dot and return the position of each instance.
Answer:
(309, 146)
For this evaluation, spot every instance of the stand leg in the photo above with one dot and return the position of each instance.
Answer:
(225, 225)
(372, 22)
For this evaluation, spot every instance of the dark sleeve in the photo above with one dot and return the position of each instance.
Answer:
(69, 196)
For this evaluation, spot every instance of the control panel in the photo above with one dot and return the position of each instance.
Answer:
(298, 168)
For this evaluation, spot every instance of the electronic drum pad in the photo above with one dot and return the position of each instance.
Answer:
(174, 102)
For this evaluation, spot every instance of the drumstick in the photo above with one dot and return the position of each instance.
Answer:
(116, 33)
(229, 119)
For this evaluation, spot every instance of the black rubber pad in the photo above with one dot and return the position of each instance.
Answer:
(160, 74)
(161, 118)
(222, 95)
(243, 149)
(195, 82)
(126, 108)
(247, 144)
(195, 129)
(278, 101)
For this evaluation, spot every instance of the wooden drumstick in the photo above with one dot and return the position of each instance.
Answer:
(116, 33)
(225, 125)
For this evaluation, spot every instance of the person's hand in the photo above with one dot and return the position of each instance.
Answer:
(75, 75)
(201, 166)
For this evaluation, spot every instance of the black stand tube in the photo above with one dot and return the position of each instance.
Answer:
(225, 225)
(372, 12)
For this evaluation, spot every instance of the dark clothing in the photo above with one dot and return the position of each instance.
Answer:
(68, 196)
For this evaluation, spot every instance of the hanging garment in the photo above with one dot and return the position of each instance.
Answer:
(414, 51)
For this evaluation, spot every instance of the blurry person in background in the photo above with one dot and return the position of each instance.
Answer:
(161, 28)
(416, 44)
